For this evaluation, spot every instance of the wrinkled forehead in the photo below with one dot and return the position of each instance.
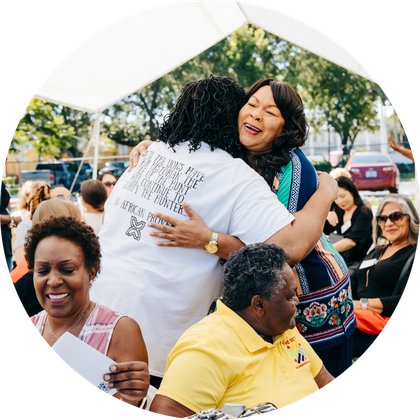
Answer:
(59, 191)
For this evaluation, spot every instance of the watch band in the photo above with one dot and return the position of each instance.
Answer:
(212, 247)
(364, 303)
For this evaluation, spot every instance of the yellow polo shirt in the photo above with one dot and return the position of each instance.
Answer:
(221, 359)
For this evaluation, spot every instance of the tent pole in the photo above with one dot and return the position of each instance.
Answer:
(95, 134)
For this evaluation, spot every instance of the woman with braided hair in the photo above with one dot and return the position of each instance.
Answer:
(197, 159)
(272, 126)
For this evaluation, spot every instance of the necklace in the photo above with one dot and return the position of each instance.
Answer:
(49, 326)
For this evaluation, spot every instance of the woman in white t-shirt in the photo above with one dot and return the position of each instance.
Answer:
(94, 195)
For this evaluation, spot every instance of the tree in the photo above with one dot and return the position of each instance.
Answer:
(333, 95)
(82, 123)
(46, 131)
(246, 55)
(137, 117)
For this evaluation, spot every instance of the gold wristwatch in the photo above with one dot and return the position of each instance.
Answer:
(212, 247)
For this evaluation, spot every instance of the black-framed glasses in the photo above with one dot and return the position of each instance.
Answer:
(393, 217)
(72, 198)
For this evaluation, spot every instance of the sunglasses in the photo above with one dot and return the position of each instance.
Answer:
(393, 217)
(72, 198)
(109, 183)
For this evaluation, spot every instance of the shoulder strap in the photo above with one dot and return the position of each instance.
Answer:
(404, 274)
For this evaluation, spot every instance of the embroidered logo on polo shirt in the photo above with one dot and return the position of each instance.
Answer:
(298, 355)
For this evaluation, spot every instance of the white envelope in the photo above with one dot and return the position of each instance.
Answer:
(85, 360)
(368, 263)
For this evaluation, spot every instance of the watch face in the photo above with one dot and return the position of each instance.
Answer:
(212, 248)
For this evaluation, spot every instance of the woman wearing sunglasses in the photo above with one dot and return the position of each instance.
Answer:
(375, 285)
(109, 180)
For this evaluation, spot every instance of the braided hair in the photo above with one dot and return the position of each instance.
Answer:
(41, 194)
(206, 111)
(294, 133)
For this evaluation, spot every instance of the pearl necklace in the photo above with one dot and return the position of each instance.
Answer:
(49, 326)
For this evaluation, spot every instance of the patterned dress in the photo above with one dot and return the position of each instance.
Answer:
(325, 311)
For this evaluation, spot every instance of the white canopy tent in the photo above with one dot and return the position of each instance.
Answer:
(137, 51)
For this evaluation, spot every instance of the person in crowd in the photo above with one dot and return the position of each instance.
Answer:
(351, 219)
(65, 257)
(325, 312)
(26, 193)
(337, 172)
(249, 351)
(42, 193)
(376, 285)
(24, 285)
(168, 290)
(400, 149)
(109, 180)
(94, 196)
(6, 220)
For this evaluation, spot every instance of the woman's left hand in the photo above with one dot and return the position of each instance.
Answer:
(130, 379)
(192, 233)
(138, 151)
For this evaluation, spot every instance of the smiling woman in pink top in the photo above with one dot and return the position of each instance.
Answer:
(64, 254)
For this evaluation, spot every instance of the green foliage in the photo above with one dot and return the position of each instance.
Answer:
(11, 180)
(342, 162)
(47, 131)
(323, 166)
(333, 96)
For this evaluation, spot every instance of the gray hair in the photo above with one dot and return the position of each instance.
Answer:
(408, 208)
(255, 269)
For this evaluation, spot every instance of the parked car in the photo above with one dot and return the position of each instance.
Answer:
(117, 168)
(373, 171)
(55, 172)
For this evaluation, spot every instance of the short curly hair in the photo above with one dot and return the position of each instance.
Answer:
(255, 269)
(68, 228)
(206, 111)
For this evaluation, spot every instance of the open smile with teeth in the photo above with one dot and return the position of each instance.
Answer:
(58, 296)
(251, 127)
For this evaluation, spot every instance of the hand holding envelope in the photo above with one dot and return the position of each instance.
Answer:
(130, 379)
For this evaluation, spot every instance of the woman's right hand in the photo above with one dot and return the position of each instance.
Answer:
(191, 233)
(138, 151)
(329, 185)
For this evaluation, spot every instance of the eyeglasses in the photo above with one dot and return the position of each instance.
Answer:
(393, 217)
(72, 198)
(109, 183)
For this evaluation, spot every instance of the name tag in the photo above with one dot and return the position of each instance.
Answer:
(368, 263)
(346, 226)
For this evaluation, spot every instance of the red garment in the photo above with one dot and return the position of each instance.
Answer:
(19, 271)
(370, 322)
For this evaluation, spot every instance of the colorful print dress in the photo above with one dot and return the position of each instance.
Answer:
(325, 310)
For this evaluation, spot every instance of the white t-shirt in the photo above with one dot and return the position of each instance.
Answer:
(167, 290)
(21, 231)
(94, 220)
